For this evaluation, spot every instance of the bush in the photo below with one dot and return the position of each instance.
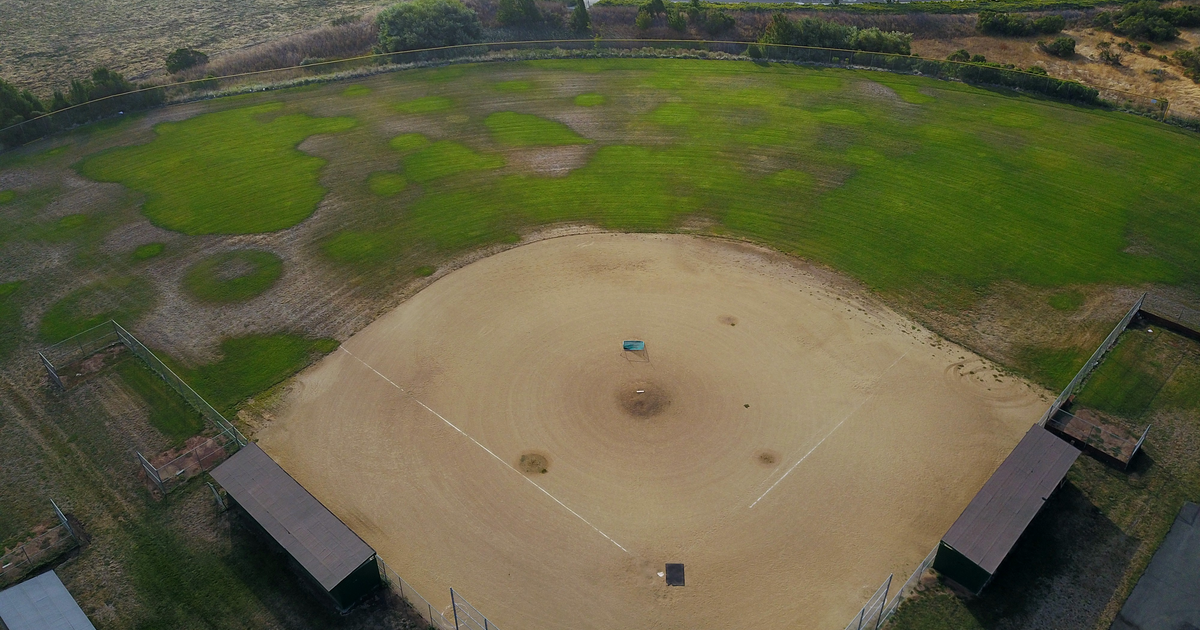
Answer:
(1110, 56)
(581, 22)
(676, 20)
(1036, 70)
(997, 23)
(514, 12)
(717, 21)
(643, 19)
(978, 59)
(814, 32)
(1061, 47)
(427, 24)
(184, 58)
(1144, 48)
(1126, 46)
(17, 106)
(1190, 60)
(959, 55)
(1148, 20)
(1049, 24)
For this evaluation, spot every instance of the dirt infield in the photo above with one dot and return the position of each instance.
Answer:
(792, 445)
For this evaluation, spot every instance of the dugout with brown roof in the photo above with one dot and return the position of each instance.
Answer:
(325, 549)
(973, 548)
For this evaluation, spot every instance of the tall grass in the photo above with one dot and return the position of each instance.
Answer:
(328, 42)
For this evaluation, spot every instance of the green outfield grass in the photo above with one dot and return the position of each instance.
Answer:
(169, 412)
(525, 130)
(7, 195)
(233, 276)
(230, 172)
(147, 251)
(124, 299)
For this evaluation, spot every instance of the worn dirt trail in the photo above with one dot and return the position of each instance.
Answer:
(793, 443)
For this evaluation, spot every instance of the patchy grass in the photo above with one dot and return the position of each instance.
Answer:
(356, 90)
(589, 100)
(1066, 301)
(233, 276)
(10, 318)
(386, 184)
(249, 365)
(231, 172)
(525, 130)
(425, 271)
(7, 195)
(124, 299)
(147, 251)
(513, 86)
(408, 142)
(169, 412)
(425, 105)
(446, 158)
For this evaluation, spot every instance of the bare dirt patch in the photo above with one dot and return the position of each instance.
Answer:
(643, 399)
(534, 464)
(534, 335)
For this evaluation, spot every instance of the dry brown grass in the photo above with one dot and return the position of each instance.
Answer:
(1132, 76)
(327, 42)
(45, 43)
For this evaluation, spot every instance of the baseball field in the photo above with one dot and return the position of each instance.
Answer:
(855, 289)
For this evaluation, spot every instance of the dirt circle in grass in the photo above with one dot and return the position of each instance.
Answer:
(643, 399)
(533, 463)
(767, 458)
(233, 276)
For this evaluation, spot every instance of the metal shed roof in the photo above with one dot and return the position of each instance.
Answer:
(321, 543)
(42, 603)
(997, 516)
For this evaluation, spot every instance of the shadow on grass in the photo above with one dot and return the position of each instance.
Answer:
(1063, 571)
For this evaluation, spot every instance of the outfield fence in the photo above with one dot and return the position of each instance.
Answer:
(17, 562)
(69, 359)
(363, 65)
(1092, 363)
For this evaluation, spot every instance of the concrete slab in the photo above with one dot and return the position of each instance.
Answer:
(1168, 595)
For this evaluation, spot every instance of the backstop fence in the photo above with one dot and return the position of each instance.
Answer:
(1092, 363)
(69, 359)
(26, 556)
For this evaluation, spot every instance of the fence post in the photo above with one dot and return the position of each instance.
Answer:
(50, 368)
(454, 609)
(887, 590)
(152, 473)
(63, 519)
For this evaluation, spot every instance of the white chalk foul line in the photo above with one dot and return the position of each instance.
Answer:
(486, 449)
(831, 431)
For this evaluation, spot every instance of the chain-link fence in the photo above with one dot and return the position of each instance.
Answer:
(1092, 363)
(434, 616)
(466, 617)
(879, 608)
(200, 454)
(85, 353)
(36, 551)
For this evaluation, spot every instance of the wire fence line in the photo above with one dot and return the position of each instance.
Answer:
(15, 563)
(466, 617)
(77, 356)
(1092, 363)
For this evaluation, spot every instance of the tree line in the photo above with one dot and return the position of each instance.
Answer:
(103, 94)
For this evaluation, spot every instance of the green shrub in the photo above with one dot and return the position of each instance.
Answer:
(978, 59)
(1190, 60)
(676, 20)
(959, 55)
(717, 21)
(1126, 46)
(1036, 70)
(233, 276)
(1060, 47)
(814, 32)
(1144, 48)
(1049, 24)
(184, 58)
(643, 20)
(1148, 20)
(581, 22)
(514, 12)
(426, 24)
(998, 23)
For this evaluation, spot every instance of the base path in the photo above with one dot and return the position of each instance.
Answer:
(788, 440)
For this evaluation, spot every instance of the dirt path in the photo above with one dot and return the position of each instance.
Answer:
(792, 444)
